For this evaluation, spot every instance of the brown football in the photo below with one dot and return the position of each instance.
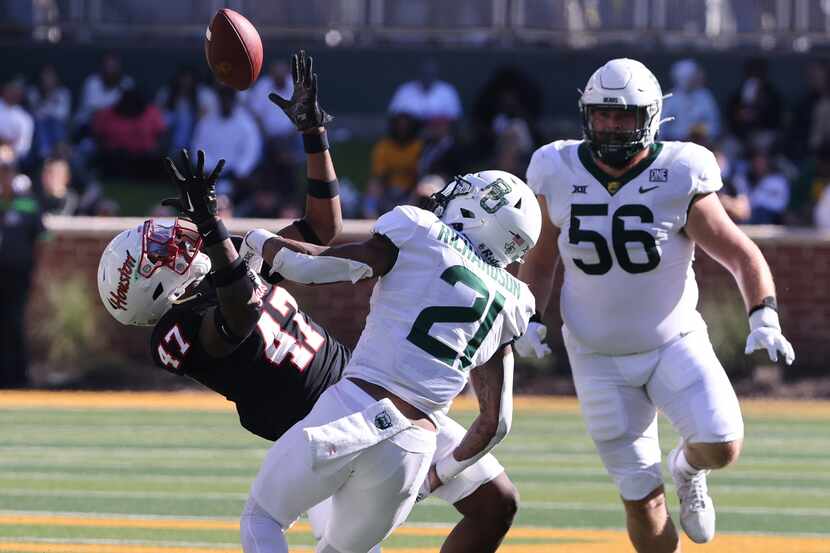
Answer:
(233, 49)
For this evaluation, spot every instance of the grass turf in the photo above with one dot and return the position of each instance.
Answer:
(90, 479)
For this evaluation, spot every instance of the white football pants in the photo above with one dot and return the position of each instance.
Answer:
(372, 492)
(619, 397)
(450, 434)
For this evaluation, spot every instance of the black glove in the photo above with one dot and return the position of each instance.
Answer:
(197, 193)
(302, 109)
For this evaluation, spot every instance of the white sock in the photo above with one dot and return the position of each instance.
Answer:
(682, 465)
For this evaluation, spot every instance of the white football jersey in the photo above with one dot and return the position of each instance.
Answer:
(629, 285)
(439, 312)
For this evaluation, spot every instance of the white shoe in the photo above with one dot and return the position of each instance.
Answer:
(697, 512)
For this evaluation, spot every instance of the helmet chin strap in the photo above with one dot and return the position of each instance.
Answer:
(617, 158)
(198, 270)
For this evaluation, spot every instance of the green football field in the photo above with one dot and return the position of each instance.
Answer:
(169, 473)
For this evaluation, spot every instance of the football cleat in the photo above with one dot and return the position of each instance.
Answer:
(697, 512)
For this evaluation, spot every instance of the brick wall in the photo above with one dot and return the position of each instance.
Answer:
(800, 260)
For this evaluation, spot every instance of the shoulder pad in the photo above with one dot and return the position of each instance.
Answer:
(401, 223)
(704, 171)
(547, 163)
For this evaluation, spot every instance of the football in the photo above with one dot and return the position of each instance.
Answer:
(233, 49)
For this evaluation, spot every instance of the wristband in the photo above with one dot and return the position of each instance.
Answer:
(230, 274)
(768, 301)
(213, 231)
(449, 467)
(323, 189)
(315, 142)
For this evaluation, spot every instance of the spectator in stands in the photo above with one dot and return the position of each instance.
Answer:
(179, 102)
(442, 154)
(232, 135)
(57, 198)
(20, 228)
(102, 89)
(735, 202)
(129, 136)
(264, 203)
(394, 170)
(273, 122)
(755, 108)
(767, 189)
(427, 98)
(821, 213)
(51, 103)
(691, 104)
(800, 139)
(514, 146)
(283, 151)
(810, 186)
(819, 130)
(508, 100)
(16, 125)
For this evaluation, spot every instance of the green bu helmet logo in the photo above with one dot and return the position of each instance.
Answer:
(493, 195)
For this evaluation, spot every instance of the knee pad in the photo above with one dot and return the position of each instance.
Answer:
(634, 465)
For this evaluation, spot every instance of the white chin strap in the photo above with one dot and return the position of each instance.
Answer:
(308, 269)
(198, 270)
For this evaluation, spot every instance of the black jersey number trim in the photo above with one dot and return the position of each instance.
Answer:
(167, 358)
(281, 307)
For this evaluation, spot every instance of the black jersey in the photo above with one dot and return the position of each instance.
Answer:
(274, 377)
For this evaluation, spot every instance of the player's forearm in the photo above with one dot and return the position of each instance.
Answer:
(274, 244)
(306, 263)
(753, 275)
(540, 263)
(322, 211)
(493, 383)
(239, 302)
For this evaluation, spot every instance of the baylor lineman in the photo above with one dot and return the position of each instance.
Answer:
(625, 213)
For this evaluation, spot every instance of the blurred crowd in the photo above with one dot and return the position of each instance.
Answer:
(774, 152)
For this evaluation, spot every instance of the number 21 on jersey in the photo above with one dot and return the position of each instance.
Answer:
(419, 334)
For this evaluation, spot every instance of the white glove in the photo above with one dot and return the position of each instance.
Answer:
(251, 249)
(765, 333)
(532, 342)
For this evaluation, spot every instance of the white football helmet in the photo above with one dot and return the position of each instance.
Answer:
(145, 269)
(623, 84)
(495, 210)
